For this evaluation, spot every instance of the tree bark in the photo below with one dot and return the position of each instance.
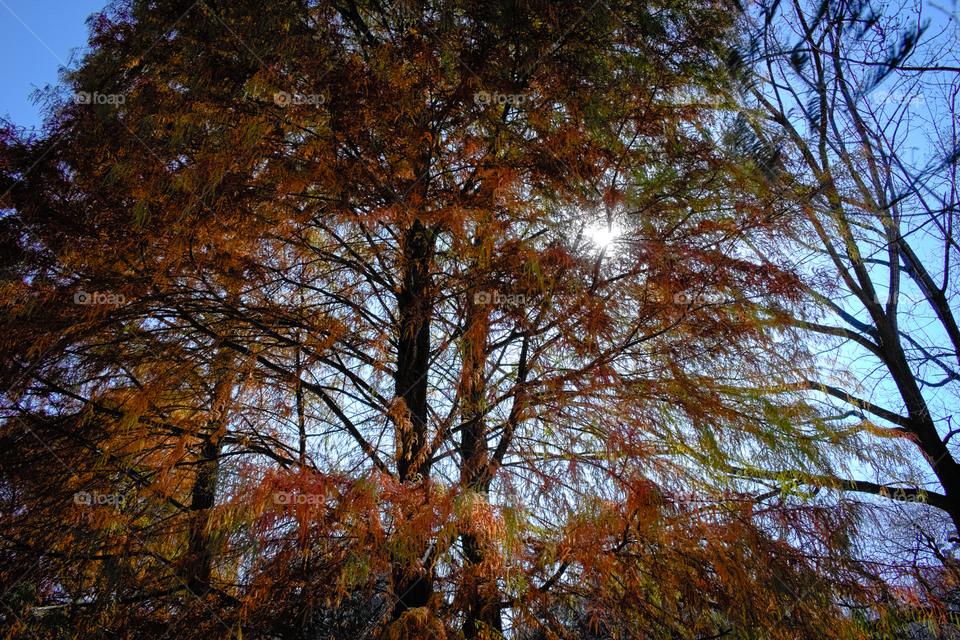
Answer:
(480, 594)
(922, 425)
(413, 587)
(413, 351)
(199, 555)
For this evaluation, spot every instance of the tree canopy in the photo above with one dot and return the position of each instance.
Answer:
(310, 331)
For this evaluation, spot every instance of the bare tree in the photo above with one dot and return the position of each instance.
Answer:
(854, 116)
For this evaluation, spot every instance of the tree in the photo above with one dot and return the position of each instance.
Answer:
(358, 344)
(844, 91)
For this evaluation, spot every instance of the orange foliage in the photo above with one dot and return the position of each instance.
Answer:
(368, 376)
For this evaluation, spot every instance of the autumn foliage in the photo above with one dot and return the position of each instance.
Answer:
(370, 376)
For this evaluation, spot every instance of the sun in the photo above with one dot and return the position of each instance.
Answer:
(602, 235)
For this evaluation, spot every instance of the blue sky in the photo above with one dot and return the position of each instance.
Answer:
(36, 38)
(35, 41)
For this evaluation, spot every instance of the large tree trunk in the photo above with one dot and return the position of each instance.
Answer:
(413, 352)
(480, 595)
(199, 557)
(923, 427)
(413, 588)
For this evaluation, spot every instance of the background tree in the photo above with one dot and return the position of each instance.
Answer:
(362, 346)
(859, 102)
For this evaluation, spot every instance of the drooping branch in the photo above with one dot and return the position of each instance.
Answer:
(908, 494)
